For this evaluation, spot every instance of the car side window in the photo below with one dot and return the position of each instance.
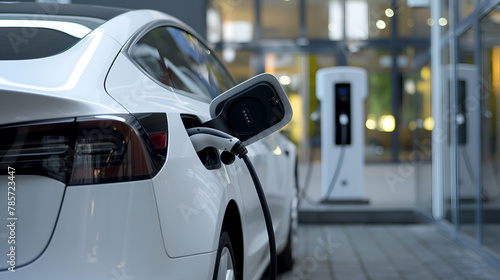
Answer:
(177, 59)
(220, 78)
(214, 73)
(146, 52)
(215, 78)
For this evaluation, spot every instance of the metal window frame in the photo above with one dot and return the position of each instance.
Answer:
(450, 38)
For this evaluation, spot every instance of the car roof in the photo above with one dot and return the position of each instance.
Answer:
(100, 12)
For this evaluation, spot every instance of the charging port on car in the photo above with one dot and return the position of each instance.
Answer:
(209, 156)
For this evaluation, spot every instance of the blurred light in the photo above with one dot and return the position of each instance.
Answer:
(270, 64)
(332, 26)
(214, 26)
(425, 73)
(387, 123)
(412, 125)
(295, 125)
(410, 87)
(402, 61)
(442, 21)
(380, 24)
(430, 22)
(285, 80)
(228, 55)
(385, 61)
(356, 19)
(237, 31)
(429, 123)
(335, 20)
(277, 151)
(371, 123)
(389, 12)
(418, 3)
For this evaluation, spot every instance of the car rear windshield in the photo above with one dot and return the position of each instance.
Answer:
(25, 38)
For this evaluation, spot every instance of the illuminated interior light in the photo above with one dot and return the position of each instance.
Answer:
(387, 123)
(277, 151)
(214, 26)
(389, 12)
(335, 20)
(356, 19)
(237, 31)
(229, 55)
(70, 28)
(430, 22)
(429, 123)
(425, 73)
(442, 21)
(294, 127)
(371, 123)
(285, 80)
(410, 87)
(332, 26)
(381, 24)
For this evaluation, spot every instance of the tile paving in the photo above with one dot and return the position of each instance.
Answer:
(384, 252)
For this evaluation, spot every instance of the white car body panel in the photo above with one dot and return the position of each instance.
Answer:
(42, 192)
(72, 88)
(108, 231)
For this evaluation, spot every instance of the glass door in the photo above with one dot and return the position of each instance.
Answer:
(467, 134)
(490, 130)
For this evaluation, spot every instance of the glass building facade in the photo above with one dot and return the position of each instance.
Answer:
(434, 89)
(464, 196)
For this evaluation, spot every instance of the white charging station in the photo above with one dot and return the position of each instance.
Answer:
(466, 118)
(342, 91)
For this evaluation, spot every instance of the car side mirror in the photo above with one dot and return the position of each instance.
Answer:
(252, 109)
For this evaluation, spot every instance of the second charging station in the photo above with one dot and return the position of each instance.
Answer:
(342, 91)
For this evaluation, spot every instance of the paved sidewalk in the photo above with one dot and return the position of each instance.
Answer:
(351, 252)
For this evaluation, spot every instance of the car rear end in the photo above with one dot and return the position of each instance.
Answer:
(76, 193)
(83, 205)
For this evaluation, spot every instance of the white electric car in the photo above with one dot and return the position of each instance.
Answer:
(98, 176)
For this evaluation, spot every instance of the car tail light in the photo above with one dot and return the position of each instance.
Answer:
(88, 150)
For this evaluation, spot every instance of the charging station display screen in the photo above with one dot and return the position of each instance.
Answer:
(342, 114)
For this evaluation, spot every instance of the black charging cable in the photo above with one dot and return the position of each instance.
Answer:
(203, 137)
(343, 144)
(267, 216)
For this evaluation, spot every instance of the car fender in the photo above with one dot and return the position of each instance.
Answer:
(190, 199)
